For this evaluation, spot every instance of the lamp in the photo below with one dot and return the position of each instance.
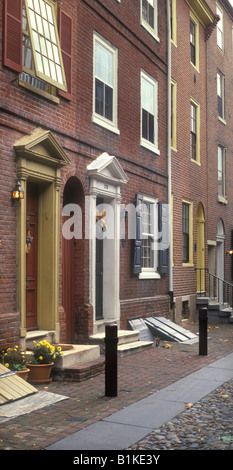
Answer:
(18, 192)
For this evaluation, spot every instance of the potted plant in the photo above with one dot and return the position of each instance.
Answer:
(14, 360)
(44, 355)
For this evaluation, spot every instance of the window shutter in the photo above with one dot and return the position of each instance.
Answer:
(12, 55)
(163, 242)
(137, 261)
(65, 33)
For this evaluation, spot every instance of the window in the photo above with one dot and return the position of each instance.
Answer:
(105, 84)
(32, 46)
(151, 238)
(173, 113)
(187, 232)
(173, 20)
(220, 28)
(220, 94)
(149, 16)
(194, 41)
(149, 112)
(41, 48)
(221, 170)
(195, 131)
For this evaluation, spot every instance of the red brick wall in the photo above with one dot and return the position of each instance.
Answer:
(22, 111)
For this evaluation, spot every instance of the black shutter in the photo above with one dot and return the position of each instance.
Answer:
(137, 258)
(163, 242)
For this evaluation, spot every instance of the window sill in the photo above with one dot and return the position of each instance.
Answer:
(196, 162)
(149, 146)
(222, 120)
(187, 265)
(151, 31)
(149, 275)
(103, 123)
(36, 90)
(222, 199)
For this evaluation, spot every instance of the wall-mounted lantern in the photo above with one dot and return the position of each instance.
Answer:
(17, 193)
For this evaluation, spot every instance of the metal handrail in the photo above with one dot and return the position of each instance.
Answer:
(217, 288)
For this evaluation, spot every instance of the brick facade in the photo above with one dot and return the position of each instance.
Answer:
(70, 122)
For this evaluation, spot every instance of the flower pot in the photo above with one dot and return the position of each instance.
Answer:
(23, 373)
(39, 373)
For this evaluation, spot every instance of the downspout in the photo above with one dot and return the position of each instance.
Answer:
(169, 145)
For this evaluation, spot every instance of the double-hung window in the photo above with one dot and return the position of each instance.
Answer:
(187, 235)
(220, 94)
(148, 234)
(105, 84)
(149, 16)
(195, 131)
(194, 41)
(221, 171)
(220, 41)
(149, 112)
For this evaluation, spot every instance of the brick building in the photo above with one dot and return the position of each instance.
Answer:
(83, 122)
(220, 147)
(191, 26)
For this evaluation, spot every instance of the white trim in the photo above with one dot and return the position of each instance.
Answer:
(153, 146)
(111, 125)
(145, 24)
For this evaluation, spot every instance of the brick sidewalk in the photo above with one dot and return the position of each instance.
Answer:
(138, 376)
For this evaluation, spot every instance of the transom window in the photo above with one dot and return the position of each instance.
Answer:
(41, 48)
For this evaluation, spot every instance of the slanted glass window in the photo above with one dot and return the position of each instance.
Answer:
(105, 84)
(149, 112)
(220, 94)
(149, 16)
(193, 132)
(192, 42)
(221, 171)
(41, 48)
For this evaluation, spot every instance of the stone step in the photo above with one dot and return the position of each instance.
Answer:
(128, 342)
(132, 348)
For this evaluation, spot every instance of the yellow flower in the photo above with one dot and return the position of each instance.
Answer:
(7, 365)
(41, 357)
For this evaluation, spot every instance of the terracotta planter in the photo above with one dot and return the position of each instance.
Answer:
(39, 373)
(23, 373)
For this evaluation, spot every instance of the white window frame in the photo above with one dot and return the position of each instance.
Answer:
(153, 31)
(111, 125)
(222, 171)
(153, 146)
(221, 93)
(220, 30)
(151, 272)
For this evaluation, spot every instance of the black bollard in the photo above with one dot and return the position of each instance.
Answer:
(111, 341)
(203, 320)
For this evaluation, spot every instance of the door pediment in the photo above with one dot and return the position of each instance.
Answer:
(42, 146)
(107, 168)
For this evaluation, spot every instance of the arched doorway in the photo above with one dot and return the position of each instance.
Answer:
(220, 259)
(200, 249)
(72, 255)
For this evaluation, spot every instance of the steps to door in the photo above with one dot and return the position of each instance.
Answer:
(217, 312)
(128, 342)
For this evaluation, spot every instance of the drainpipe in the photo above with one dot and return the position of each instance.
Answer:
(169, 144)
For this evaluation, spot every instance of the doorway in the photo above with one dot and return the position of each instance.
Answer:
(220, 259)
(31, 255)
(200, 249)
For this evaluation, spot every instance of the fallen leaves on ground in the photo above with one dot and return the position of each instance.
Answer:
(188, 405)
(167, 346)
